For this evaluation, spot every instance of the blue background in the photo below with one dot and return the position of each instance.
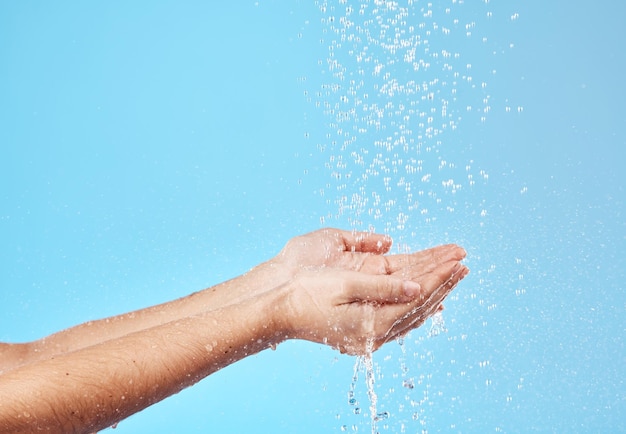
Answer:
(150, 149)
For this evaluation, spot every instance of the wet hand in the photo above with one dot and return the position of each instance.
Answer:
(334, 248)
(368, 299)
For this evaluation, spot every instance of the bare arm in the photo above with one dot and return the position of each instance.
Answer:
(95, 332)
(95, 387)
(323, 248)
(326, 248)
(343, 293)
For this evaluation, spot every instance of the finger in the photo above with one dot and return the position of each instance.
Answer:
(422, 269)
(434, 292)
(426, 270)
(364, 242)
(430, 257)
(379, 289)
(430, 305)
(444, 275)
(408, 266)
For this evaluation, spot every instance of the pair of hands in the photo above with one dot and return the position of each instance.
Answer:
(330, 286)
(345, 292)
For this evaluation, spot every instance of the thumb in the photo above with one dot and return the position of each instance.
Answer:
(381, 289)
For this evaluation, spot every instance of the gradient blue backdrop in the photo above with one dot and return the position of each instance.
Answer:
(150, 149)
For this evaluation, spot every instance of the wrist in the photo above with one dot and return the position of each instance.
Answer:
(278, 320)
(288, 310)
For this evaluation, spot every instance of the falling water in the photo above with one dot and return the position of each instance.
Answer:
(401, 80)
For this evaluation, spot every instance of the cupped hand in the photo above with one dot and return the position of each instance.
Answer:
(333, 248)
(357, 299)
(357, 251)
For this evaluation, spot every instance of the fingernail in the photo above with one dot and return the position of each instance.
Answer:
(410, 288)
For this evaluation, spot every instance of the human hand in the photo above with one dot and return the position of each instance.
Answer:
(357, 251)
(335, 248)
(368, 299)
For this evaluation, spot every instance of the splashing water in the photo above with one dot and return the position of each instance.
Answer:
(437, 326)
(399, 85)
(370, 381)
(366, 363)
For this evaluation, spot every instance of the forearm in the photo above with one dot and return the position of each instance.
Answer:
(255, 282)
(99, 385)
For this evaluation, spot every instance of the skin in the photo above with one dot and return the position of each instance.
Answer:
(330, 286)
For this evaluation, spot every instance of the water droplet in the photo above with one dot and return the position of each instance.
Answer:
(382, 416)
